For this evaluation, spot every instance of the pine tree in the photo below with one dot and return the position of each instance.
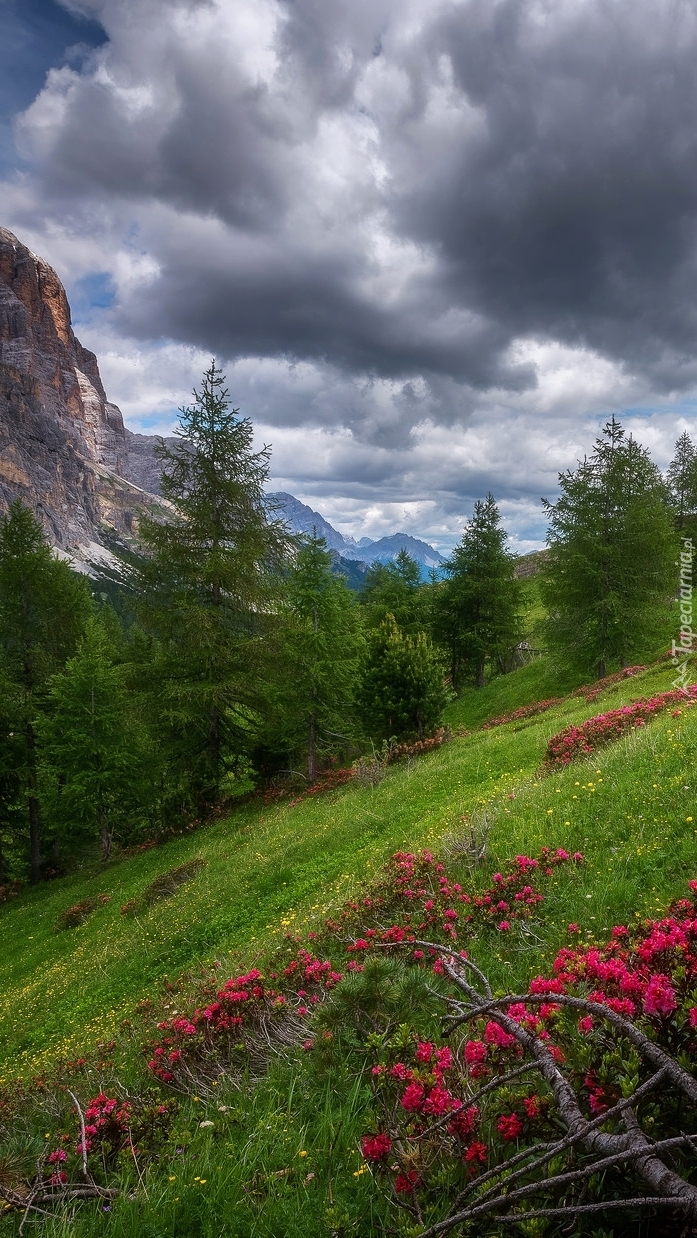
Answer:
(208, 586)
(323, 644)
(43, 610)
(94, 751)
(682, 486)
(401, 692)
(609, 575)
(477, 607)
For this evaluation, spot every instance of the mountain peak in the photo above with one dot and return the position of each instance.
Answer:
(303, 519)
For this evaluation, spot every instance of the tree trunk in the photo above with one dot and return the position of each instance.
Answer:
(601, 669)
(34, 840)
(105, 837)
(312, 750)
(480, 675)
(214, 748)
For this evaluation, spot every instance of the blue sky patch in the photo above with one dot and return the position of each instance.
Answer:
(35, 36)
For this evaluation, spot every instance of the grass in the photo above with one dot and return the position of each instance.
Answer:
(267, 870)
(628, 809)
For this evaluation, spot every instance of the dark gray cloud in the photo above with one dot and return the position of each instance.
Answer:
(474, 220)
(572, 212)
(539, 157)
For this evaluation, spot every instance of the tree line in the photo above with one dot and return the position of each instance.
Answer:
(233, 652)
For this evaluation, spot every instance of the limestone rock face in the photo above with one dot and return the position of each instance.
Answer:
(64, 450)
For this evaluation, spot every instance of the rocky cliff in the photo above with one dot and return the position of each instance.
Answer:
(64, 450)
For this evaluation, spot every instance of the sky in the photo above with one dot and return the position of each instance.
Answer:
(435, 244)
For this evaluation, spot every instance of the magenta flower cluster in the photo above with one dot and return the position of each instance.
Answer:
(580, 741)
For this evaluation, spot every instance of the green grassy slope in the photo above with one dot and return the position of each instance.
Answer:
(272, 868)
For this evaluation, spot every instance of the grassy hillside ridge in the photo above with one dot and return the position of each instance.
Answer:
(269, 869)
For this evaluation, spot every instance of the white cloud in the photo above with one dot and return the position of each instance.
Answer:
(435, 245)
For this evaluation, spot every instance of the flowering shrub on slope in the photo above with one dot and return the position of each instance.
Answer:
(415, 892)
(75, 1164)
(578, 1096)
(246, 1016)
(579, 741)
(251, 1014)
(590, 691)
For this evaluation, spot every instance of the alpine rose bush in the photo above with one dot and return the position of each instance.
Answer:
(580, 741)
(452, 1111)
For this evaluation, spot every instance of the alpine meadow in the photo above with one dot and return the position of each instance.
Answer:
(374, 909)
(348, 642)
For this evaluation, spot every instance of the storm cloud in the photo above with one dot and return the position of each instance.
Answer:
(399, 223)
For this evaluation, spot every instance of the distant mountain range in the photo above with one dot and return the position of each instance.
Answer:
(302, 519)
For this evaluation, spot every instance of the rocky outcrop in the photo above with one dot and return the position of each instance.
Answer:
(64, 450)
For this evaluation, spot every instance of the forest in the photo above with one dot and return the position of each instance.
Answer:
(227, 657)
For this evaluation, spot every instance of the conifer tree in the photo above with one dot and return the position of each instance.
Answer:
(395, 589)
(43, 610)
(324, 642)
(477, 607)
(401, 692)
(682, 486)
(609, 575)
(93, 746)
(207, 587)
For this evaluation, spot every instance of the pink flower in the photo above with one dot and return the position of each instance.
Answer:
(573, 928)
(413, 1097)
(531, 1105)
(693, 1016)
(437, 1102)
(376, 1147)
(444, 1058)
(504, 926)
(585, 1025)
(464, 1121)
(476, 1152)
(509, 1126)
(495, 1035)
(424, 1052)
(659, 998)
(475, 1052)
(56, 1157)
(404, 1183)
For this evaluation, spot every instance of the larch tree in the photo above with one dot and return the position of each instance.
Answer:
(477, 607)
(682, 486)
(94, 748)
(208, 585)
(609, 578)
(43, 610)
(395, 589)
(323, 645)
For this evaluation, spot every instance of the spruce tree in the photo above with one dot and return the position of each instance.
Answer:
(401, 692)
(682, 486)
(43, 610)
(609, 576)
(323, 644)
(477, 606)
(208, 585)
(94, 750)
